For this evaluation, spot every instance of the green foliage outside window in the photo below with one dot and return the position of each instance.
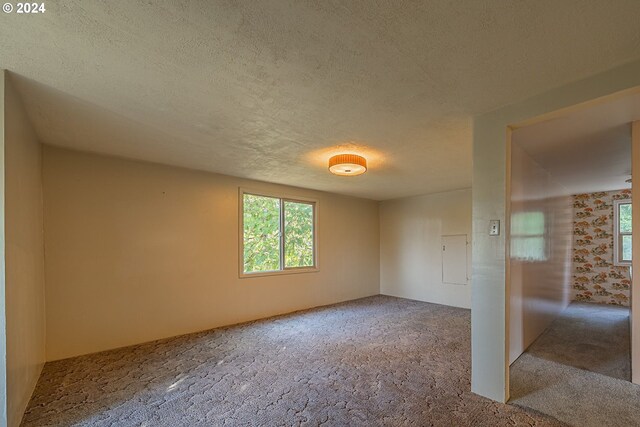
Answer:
(627, 248)
(528, 236)
(624, 218)
(298, 234)
(262, 219)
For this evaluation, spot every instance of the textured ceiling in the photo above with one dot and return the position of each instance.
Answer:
(269, 89)
(587, 150)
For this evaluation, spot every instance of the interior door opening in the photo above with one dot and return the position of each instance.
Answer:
(570, 255)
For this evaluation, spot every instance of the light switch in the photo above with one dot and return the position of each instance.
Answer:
(494, 227)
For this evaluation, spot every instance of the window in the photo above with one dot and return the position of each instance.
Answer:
(528, 242)
(278, 234)
(622, 232)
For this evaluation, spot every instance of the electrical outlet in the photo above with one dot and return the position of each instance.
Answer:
(494, 227)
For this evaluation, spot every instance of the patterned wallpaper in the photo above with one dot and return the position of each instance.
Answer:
(595, 278)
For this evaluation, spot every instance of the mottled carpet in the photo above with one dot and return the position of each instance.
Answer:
(579, 369)
(374, 361)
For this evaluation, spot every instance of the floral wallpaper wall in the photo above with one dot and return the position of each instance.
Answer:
(595, 278)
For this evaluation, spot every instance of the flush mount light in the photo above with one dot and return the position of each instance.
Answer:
(347, 165)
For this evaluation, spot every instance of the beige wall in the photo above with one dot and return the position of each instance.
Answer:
(138, 251)
(3, 317)
(539, 274)
(24, 256)
(411, 231)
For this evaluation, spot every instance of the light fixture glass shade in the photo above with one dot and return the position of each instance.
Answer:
(347, 165)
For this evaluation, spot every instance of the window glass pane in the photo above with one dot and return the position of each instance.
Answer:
(298, 234)
(626, 248)
(261, 234)
(527, 224)
(528, 248)
(625, 217)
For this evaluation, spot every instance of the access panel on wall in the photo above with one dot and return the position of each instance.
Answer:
(454, 259)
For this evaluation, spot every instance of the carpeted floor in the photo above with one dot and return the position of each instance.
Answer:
(578, 369)
(374, 361)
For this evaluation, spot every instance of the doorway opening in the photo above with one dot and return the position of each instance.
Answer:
(569, 233)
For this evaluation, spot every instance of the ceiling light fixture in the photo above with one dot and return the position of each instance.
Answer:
(347, 165)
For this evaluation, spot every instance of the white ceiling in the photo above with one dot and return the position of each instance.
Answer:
(587, 150)
(268, 90)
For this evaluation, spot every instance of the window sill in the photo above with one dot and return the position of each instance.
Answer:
(622, 264)
(279, 272)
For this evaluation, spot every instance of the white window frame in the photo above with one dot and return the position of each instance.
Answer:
(617, 235)
(283, 198)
